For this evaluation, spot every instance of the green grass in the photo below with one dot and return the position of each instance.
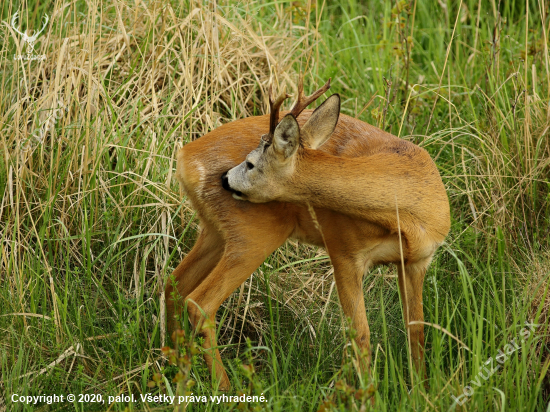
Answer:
(92, 220)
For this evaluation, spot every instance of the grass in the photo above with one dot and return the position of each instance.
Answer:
(92, 220)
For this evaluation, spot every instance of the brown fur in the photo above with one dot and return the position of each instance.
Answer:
(237, 236)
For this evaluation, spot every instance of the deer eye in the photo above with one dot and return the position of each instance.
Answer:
(249, 165)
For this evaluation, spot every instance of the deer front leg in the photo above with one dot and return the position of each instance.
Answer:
(348, 275)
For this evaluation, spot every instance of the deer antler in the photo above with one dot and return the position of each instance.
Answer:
(13, 20)
(304, 102)
(35, 35)
(298, 108)
(274, 106)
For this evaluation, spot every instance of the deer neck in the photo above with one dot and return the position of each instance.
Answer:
(330, 182)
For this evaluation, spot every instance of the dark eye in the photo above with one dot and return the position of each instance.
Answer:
(249, 165)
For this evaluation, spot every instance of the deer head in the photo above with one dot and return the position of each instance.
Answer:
(267, 170)
(31, 40)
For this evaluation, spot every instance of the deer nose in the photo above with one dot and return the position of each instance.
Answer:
(225, 185)
(225, 182)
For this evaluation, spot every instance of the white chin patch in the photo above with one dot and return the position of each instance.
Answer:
(236, 196)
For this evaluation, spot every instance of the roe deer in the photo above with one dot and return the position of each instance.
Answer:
(323, 178)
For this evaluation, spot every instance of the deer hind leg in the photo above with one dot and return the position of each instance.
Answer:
(191, 271)
(238, 261)
(348, 275)
(410, 287)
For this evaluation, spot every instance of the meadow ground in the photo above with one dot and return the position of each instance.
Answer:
(92, 220)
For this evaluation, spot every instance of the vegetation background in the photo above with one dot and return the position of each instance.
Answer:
(92, 220)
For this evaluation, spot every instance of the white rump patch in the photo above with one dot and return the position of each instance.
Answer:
(202, 175)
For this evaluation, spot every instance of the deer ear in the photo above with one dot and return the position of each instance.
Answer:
(286, 137)
(321, 123)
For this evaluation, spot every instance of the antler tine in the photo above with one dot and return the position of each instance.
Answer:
(274, 106)
(304, 102)
(13, 20)
(42, 29)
